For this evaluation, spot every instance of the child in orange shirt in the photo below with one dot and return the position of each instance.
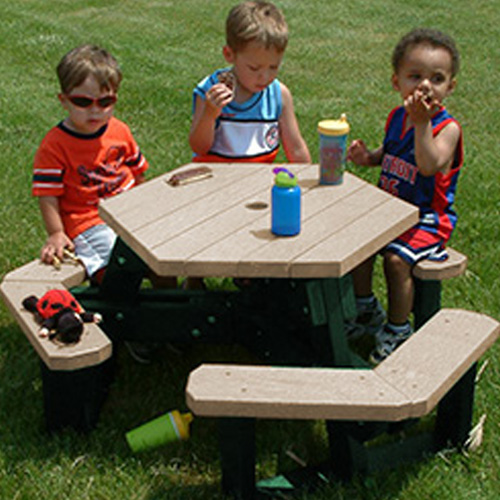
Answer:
(88, 156)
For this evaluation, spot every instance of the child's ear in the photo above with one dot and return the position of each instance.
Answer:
(453, 85)
(228, 54)
(395, 82)
(63, 100)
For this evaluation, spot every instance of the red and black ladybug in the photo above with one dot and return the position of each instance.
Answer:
(60, 315)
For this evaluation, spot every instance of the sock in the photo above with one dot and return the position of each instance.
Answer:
(366, 303)
(398, 329)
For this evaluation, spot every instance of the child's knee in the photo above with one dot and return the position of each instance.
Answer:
(394, 264)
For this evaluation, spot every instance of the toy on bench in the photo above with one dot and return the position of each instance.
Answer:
(61, 317)
(75, 376)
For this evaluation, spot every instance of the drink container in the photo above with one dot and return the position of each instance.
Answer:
(170, 427)
(332, 149)
(285, 203)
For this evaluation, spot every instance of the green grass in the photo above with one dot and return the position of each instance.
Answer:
(338, 60)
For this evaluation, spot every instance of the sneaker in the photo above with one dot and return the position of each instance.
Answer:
(142, 352)
(387, 342)
(369, 321)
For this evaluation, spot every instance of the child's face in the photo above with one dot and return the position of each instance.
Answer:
(255, 66)
(425, 68)
(88, 120)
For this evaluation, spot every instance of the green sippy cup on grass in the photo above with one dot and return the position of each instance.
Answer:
(167, 428)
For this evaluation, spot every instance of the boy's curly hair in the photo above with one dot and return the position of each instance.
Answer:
(260, 22)
(88, 60)
(434, 38)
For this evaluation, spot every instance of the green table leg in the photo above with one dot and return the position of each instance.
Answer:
(454, 415)
(124, 274)
(347, 454)
(427, 301)
(74, 398)
(237, 449)
(331, 302)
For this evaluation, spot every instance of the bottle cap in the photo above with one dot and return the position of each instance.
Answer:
(284, 178)
(334, 127)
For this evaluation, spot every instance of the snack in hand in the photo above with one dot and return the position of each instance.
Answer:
(228, 78)
(428, 96)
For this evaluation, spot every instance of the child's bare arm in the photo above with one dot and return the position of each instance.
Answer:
(201, 135)
(57, 239)
(295, 147)
(433, 154)
(359, 154)
(140, 178)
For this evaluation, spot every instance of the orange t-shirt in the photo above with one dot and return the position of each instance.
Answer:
(81, 169)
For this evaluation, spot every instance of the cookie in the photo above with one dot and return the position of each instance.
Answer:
(228, 79)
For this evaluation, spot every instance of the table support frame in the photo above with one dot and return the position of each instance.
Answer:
(286, 322)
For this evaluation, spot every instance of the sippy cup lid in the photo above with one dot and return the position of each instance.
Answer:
(182, 421)
(334, 127)
(284, 178)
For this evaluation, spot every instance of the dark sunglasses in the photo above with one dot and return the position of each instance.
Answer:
(83, 101)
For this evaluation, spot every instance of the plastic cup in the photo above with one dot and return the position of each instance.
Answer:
(332, 149)
(167, 428)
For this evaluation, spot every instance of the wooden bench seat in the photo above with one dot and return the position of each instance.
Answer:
(75, 377)
(455, 265)
(36, 278)
(409, 383)
(428, 277)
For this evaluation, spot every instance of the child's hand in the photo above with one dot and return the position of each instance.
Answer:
(54, 247)
(421, 105)
(218, 96)
(358, 153)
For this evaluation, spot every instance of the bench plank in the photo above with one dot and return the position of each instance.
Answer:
(431, 361)
(36, 271)
(293, 393)
(454, 265)
(93, 348)
(409, 383)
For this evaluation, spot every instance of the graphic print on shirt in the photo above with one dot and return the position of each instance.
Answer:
(106, 176)
(394, 170)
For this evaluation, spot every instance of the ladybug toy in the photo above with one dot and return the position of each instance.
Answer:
(60, 315)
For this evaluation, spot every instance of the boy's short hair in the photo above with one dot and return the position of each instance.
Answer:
(434, 38)
(88, 60)
(260, 22)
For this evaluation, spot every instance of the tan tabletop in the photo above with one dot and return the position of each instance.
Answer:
(221, 226)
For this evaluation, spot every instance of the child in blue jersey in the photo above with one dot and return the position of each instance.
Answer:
(243, 113)
(421, 157)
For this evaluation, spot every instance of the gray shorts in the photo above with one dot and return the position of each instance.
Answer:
(93, 247)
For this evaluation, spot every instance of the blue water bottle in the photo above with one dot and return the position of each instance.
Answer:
(285, 203)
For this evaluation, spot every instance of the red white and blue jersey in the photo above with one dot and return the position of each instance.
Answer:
(434, 195)
(245, 131)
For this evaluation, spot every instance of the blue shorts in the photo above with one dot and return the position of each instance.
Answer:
(416, 244)
(93, 247)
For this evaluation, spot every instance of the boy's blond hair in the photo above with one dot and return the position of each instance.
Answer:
(260, 22)
(88, 60)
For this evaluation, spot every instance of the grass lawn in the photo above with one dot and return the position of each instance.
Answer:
(338, 60)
